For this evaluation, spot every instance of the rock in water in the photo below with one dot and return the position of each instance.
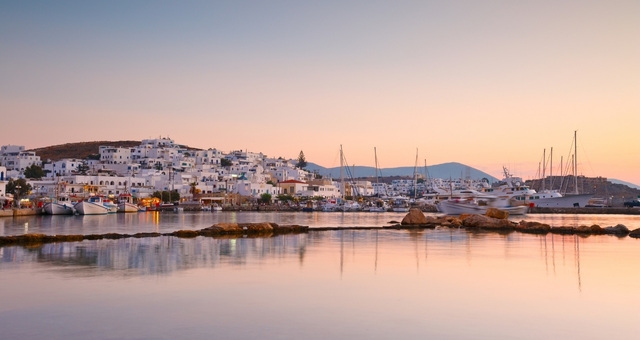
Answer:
(619, 229)
(486, 222)
(497, 213)
(414, 217)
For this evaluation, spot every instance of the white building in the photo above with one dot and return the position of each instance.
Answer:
(247, 188)
(323, 188)
(13, 157)
(113, 155)
(63, 167)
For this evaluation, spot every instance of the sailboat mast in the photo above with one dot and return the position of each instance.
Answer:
(575, 160)
(551, 167)
(544, 167)
(341, 172)
(415, 176)
(375, 153)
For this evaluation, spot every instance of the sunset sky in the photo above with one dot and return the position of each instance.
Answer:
(484, 83)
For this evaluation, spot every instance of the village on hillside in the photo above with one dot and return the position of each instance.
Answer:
(160, 173)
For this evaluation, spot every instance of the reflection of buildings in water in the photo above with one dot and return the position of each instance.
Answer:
(156, 255)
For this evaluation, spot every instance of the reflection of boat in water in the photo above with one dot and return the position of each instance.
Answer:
(92, 206)
(479, 205)
(60, 206)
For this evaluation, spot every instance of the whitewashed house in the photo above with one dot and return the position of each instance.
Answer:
(14, 157)
(63, 167)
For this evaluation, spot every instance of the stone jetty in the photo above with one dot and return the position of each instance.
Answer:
(235, 230)
(494, 220)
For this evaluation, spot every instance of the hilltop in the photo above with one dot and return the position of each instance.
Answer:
(83, 150)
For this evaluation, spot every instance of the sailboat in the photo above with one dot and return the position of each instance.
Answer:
(554, 199)
(379, 205)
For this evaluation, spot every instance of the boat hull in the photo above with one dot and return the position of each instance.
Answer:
(125, 207)
(459, 208)
(566, 201)
(90, 208)
(53, 208)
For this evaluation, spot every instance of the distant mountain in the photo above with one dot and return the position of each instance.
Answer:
(617, 181)
(445, 170)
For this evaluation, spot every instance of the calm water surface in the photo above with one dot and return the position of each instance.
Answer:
(169, 221)
(373, 284)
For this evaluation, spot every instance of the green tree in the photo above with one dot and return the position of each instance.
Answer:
(33, 171)
(174, 195)
(285, 197)
(302, 161)
(158, 166)
(225, 162)
(265, 198)
(18, 188)
(166, 196)
(83, 168)
(157, 194)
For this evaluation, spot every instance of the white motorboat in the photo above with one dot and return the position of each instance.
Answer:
(513, 188)
(92, 206)
(60, 206)
(400, 204)
(479, 205)
(125, 204)
(112, 207)
(557, 201)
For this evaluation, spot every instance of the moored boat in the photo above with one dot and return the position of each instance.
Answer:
(125, 204)
(479, 205)
(60, 206)
(92, 206)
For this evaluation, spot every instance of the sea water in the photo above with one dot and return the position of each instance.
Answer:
(357, 284)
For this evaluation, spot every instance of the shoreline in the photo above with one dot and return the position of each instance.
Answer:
(14, 212)
(470, 223)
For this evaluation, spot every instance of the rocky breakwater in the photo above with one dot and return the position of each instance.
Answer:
(496, 220)
(233, 230)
